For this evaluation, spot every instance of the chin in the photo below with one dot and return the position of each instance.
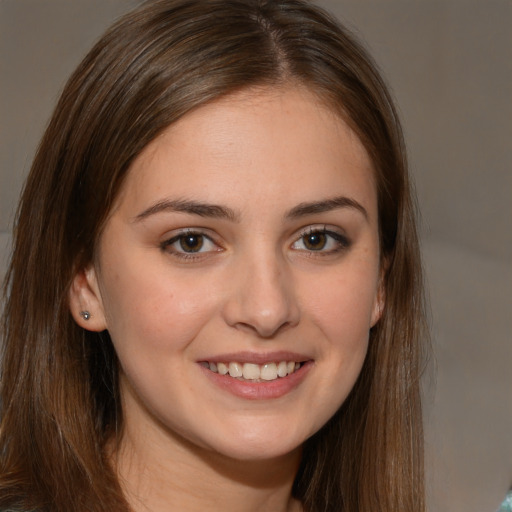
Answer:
(253, 444)
(259, 452)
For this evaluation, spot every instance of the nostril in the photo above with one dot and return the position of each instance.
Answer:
(263, 301)
(262, 331)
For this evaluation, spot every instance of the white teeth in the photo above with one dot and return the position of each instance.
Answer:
(251, 371)
(222, 368)
(255, 372)
(235, 369)
(269, 371)
(281, 369)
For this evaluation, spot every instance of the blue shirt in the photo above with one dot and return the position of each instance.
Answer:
(506, 506)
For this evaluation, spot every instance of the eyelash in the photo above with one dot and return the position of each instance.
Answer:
(341, 243)
(180, 238)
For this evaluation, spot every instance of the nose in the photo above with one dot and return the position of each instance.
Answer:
(262, 297)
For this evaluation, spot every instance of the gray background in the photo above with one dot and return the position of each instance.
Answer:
(449, 64)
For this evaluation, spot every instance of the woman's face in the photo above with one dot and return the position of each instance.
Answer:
(244, 240)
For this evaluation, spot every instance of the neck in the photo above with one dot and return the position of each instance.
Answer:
(166, 469)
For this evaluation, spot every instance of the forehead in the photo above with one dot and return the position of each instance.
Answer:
(277, 142)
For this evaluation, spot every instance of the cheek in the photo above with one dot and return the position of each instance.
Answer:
(343, 302)
(153, 309)
(340, 306)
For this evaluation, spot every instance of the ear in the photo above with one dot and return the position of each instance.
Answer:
(85, 296)
(380, 298)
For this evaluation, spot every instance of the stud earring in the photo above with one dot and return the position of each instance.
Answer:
(85, 315)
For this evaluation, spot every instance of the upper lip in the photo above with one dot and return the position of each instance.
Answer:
(257, 357)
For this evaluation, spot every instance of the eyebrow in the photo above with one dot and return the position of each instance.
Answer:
(192, 207)
(223, 212)
(326, 205)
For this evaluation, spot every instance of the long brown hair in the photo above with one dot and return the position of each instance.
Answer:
(59, 388)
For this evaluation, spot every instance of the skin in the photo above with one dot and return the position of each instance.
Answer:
(260, 286)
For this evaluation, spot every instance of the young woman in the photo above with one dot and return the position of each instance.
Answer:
(214, 300)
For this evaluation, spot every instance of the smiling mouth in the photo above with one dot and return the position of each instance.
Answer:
(254, 372)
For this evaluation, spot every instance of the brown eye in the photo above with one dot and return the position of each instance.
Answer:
(322, 241)
(314, 241)
(191, 242)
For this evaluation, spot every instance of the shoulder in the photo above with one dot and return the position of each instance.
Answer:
(506, 506)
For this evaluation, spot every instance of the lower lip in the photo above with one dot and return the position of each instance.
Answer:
(264, 390)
